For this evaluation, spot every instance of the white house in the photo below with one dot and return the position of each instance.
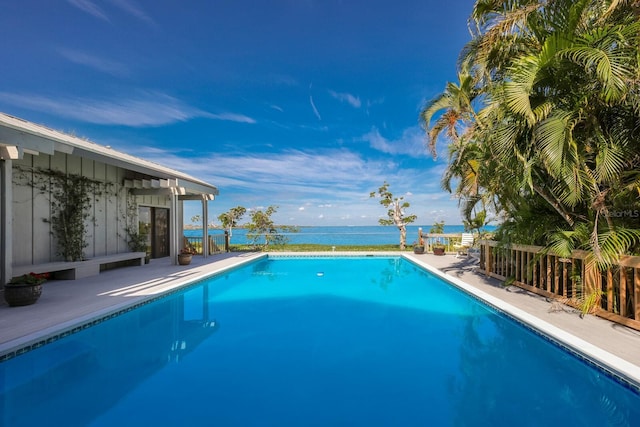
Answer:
(125, 192)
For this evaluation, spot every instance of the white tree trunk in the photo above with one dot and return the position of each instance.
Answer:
(403, 236)
(397, 219)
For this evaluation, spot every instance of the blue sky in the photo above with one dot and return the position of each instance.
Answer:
(305, 104)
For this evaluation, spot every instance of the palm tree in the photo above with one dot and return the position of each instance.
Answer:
(558, 118)
(458, 123)
(459, 117)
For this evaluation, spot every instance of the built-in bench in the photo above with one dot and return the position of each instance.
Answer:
(79, 269)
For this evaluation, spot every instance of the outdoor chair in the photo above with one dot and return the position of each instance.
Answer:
(462, 248)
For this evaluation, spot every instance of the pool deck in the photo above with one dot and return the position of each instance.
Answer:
(68, 303)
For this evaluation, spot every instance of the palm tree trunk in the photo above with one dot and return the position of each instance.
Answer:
(554, 204)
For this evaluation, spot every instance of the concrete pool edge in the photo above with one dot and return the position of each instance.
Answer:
(613, 365)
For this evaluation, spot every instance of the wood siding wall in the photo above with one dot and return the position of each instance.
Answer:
(33, 242)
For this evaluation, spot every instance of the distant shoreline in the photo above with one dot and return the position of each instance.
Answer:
(217, 227)
(337, 235)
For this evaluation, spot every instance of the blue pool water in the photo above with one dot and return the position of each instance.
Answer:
(369, 341)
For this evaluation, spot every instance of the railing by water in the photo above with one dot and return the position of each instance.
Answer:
(217, 243)
(617, 290)
(448, 240)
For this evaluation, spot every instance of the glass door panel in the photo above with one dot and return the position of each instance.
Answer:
(161, 232)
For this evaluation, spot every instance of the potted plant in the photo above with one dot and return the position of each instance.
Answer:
(25, 289)
(185, 255)
(437, 246)
(418, 248)
(138, 242)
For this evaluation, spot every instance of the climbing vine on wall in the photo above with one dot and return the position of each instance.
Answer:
(137, 234)
(70, 204)
(71, 197)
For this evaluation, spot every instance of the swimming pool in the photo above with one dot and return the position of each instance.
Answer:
(311, 341)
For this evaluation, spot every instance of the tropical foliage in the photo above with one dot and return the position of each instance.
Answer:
(543, 126)
(262, 228)
(230, 219)
(395, 211)
(136, 230)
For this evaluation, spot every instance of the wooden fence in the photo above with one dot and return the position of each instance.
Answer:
(617, 289)
(448, 240)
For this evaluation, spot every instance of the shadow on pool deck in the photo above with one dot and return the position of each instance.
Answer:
(67, 302)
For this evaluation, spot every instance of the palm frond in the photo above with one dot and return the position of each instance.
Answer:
(613, 243)
(519, 86)
(610, 162)
(607, 53)
(553, 137)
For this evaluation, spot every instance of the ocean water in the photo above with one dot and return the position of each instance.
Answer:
(342, 235)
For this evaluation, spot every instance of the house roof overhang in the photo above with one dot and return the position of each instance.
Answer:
(18, 137)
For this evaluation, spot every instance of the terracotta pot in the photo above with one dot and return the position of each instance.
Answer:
(438, 251)
(17, 295)
(184, 259)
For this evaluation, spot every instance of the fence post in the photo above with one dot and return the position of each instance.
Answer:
(487, 258)
(226, 240)
(636, 293)
(592, 280)
(622, 293)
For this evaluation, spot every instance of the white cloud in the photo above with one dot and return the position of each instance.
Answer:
(411, 142)
(95, 62)
(133, 9)
(352, 100)
(230, 117)
(322, 178)
(343, 169)
(148, 109)
(128, 6)
(337, 182)
(90, 7)
(313, 107)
